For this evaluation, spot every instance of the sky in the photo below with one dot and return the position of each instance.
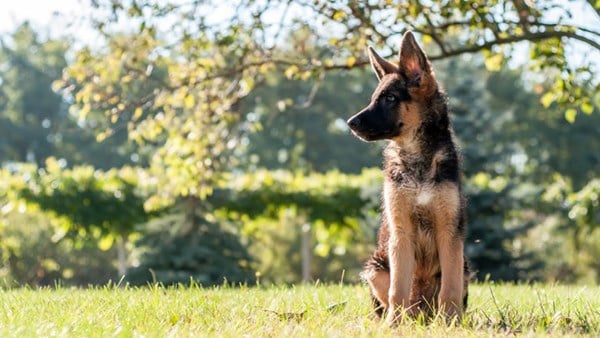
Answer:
(40, 13)
(55, 18)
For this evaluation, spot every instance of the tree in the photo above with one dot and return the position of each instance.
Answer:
(34, 119)
(185, 116)
(105, 206)
(454, 28)
(574, 223)
(210, 253)
(305, 128)
(209, 64)
(327, 216)
(30, 109)
(181, 79)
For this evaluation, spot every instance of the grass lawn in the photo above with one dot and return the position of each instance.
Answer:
(301, 311)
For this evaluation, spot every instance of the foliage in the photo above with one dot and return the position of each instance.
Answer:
(328, 197)
(297, 117)
(30, 109)
(178, 80)
(209, 254)
(35, 123)
(97, 208)
(33, 255)
(104, 206)
(584, 205)
(100, 203)
(459, 27)
(491, 237)
(279, 258)
(33, 249)
(330, 310)
(332, 203)
(573, 219)
(181, 101)
(338, 211)
(540, 142)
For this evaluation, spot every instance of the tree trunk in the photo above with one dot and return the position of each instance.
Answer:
(190, 213)
(122, 255)
(306, 253)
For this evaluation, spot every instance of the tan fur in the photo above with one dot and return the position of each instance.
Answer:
(414, 280)
(379, 281)
(409, 114)
(450, 247)
(399, 205)
(427, 88)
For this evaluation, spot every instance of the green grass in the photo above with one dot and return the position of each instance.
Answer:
(301, 311)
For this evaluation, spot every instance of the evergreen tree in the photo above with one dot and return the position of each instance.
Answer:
(206, 253)
(34, 120)
(31, 111)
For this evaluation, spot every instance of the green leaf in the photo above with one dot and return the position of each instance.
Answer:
(339, 15)
(101, 136)
(547, 99)
(189, 101)
(106, 243)
(587, 107)
(351, 61)
(494, 62)
(570, 115)
(291, 71)
(427, 39)
(137, 114)
(247, 83)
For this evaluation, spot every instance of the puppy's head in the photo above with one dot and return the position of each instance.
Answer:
(396, 103)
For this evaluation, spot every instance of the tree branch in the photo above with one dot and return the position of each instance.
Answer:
(537, 36)
(594, 5)
(530, 36)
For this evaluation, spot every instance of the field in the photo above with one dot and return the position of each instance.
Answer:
(300, 311)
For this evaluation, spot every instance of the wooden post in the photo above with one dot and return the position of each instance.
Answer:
(122, 255)
(306, 252)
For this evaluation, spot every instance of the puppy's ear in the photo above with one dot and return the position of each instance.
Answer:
(380, 66)
(414, 64)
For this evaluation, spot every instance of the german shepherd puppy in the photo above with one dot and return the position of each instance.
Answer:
(419, 265)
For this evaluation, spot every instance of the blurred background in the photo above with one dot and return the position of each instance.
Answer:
(169, 141)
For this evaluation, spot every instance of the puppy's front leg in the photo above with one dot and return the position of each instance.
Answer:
(401, 251)
(452, 265)
(449, 240)
(402, 266)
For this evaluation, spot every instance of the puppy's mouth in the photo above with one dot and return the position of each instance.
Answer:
(374, 134)
(393, 132)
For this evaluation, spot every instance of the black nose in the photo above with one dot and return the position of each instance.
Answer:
(354, 122)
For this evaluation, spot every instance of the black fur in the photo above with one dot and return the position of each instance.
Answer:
(379, 119)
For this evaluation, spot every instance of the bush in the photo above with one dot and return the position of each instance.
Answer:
(207, 254)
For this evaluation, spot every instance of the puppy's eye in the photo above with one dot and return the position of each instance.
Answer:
(390, 98)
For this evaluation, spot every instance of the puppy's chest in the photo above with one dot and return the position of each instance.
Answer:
(418, 205)
(410, 171)
(412, 199)
(420, 202)
(413, 212)
(412, 187)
